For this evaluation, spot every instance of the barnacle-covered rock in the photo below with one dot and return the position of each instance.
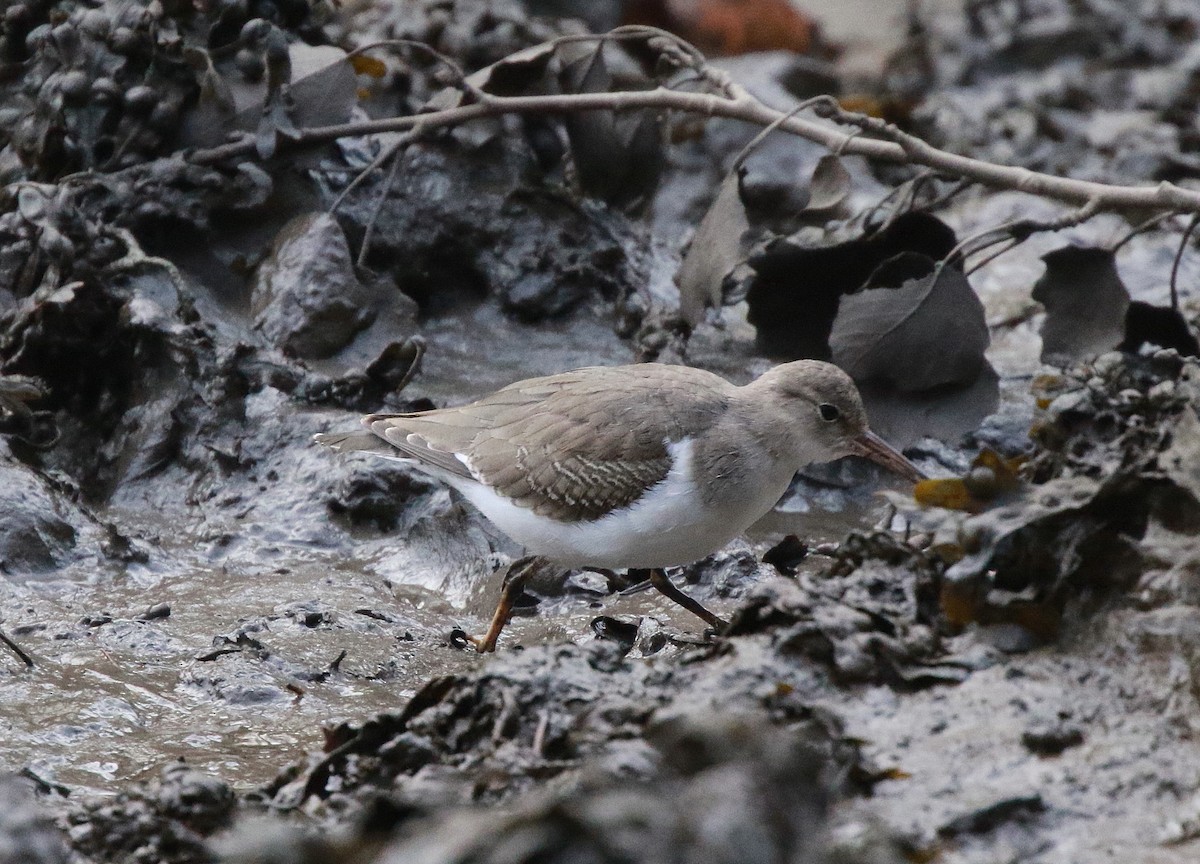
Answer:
(1119, 458)
(89, 79)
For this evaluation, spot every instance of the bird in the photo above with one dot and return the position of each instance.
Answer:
(644, 466)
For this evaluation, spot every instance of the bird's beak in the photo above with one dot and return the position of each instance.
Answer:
(871, 446)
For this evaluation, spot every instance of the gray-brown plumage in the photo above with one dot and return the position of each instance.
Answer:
(570, 446)
(580, 444)
(641, 466)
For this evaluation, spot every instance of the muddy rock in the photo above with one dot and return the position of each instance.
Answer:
(380, 495)
(309, 302)
(26, 834)
(729, 789)
(164, 822)
(871, 615)
(462, 224)
(41, 528)
(724, 789)
(1113, 480)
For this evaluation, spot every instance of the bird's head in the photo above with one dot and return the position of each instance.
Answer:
(826, 415)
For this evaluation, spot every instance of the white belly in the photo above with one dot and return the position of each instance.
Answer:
(667, 527)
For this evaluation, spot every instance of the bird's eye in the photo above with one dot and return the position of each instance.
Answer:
(829, 413)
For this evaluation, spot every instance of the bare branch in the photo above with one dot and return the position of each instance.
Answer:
(1016, 232)
(883, 141)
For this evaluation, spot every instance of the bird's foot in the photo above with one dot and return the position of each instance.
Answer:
(659, 580)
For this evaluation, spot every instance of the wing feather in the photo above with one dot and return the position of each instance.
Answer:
(573, 446)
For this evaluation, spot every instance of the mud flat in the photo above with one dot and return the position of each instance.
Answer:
(227, 644)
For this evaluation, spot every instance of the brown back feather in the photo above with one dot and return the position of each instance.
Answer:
(573, 446)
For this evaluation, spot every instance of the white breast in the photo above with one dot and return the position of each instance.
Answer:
(668, 526)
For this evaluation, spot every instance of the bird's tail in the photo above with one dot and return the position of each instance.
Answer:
(348, 442)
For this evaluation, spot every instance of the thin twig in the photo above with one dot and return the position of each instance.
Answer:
(1187, 233)
(370, 229)
(762, 136)
(912, 189)
(1141, 227)
(384, 155)
(867, 214)
(983, 262)
(953, 192)
(639, 31)
(16, 649)
(1020, 230)
(981, 240)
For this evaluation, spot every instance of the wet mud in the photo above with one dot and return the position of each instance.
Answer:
(235, 646)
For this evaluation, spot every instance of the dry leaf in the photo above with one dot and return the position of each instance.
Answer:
(794, 293)
(1085, 304)
(929, 332)
(945, 413)
(1157, 325)
(829, 186)
(372, 66)
(716, 249)
(990, 478)
(618, 155)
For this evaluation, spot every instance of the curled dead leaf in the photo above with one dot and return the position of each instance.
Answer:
(618, 155)
(829, 186)
(989, 479)
(797, 284)
(716, 249)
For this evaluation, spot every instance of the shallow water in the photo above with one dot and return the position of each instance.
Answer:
(113, 701)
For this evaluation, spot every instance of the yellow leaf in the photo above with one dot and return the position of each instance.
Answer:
(364, 65)
(950, 493)
(861, 103)
(991, 476)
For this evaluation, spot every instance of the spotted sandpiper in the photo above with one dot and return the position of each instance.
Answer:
(644, 466)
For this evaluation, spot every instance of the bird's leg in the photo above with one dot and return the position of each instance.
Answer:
(638, 579)
(658, 578)
(514, 582)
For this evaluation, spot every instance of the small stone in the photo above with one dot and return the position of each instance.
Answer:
(1108, 363)
(1051, 739)
(123, 41)
(74, 86)
(1076, 400)
(96, 22)
(141, 99)
(1163, 391)
(105, 90)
